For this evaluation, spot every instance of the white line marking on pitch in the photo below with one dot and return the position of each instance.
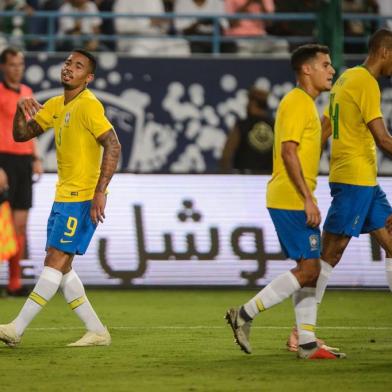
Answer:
(185, 327)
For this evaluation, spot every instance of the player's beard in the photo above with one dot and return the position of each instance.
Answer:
(67, 86)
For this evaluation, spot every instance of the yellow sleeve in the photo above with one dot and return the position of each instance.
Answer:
(369, 102)
(293, 121)
(94, 118)
(44, 117)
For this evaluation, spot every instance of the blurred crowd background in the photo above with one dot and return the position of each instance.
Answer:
(145, 36)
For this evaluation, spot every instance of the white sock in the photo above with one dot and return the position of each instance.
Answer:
(388, 269)
(74, 294)
(275, 292)
(46, 287)
(305, 307)
(322, 281)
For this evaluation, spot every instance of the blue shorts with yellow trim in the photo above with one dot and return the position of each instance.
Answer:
(70, 227)
(356, 209)
(298, 240)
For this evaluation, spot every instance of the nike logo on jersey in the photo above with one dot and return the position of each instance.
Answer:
(55, 117)
(62, 241)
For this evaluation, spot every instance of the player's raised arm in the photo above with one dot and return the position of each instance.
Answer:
(111, 155)
(24, 129)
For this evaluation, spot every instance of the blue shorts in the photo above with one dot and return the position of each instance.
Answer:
(70, 227)
(356, 209)
(298, 240)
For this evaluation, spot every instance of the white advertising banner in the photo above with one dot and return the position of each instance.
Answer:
(171, 230)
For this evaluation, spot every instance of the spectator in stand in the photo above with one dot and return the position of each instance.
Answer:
(40, 25)
(107, 27)
(169, 5)
(14, 26)
(150, 27)
(78, 27)
(252, 27)
(358, 28)
(200, 26)
(248, 147)
(385, 9)
(305, 29)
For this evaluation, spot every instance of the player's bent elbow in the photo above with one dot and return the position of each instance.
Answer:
(385, 143)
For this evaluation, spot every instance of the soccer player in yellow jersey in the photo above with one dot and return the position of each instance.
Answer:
(354, 120)
(82, 131)
(292, 205)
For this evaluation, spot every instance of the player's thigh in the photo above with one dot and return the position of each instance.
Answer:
(333, 246)
(70, 228)
(20, 220)
(349, 209)
(298, 240)
(378, 213)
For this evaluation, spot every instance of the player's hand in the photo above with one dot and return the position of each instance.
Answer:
(38, 169)
(97, 211)
(29, 106)
(313, 216)
(3, 181)
(388, 224)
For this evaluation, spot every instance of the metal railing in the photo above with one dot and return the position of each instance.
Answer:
(51, 37)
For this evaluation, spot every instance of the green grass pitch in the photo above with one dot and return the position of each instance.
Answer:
(177, 340)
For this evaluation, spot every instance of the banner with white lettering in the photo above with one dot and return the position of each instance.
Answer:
(203, 230)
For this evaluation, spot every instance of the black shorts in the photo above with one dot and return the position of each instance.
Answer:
(19, 169)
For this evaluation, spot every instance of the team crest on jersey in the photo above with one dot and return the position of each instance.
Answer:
(314, 242)
(67, 117)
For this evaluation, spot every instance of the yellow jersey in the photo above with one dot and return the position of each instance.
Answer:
(355, 100)
(77, 125)
(297, 120)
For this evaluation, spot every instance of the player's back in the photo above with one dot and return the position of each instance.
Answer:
(354, 102)
(297, 120)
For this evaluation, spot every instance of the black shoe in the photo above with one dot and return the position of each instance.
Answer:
(21, 292)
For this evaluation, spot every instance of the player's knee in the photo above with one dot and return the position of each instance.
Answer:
(20, 228)
(387, 246)
(333, 256)
(311, 277)
(58, 260)
(309, 273)
(388, 253)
